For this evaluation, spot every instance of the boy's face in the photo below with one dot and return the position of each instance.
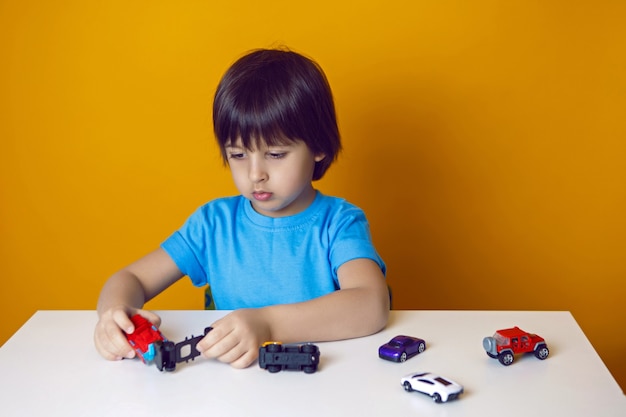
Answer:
(276, 179)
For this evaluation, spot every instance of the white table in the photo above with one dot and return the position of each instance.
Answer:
(50, 367)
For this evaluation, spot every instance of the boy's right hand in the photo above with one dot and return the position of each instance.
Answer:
(110, 333)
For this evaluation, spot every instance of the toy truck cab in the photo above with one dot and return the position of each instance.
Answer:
(506, 343)
(145, 339)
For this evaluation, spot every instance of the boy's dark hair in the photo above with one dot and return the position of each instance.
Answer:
(277, 96)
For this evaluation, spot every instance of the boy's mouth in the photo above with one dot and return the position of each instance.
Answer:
(261, 195)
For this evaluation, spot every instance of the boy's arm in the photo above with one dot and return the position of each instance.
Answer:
(124, 294)
(359, 308)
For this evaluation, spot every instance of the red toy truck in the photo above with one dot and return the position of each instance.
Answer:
(151, 345)
(506, 343)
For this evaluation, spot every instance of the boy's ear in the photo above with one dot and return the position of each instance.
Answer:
(319, 157)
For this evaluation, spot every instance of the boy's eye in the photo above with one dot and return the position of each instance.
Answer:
(235, 155)
(277, 155)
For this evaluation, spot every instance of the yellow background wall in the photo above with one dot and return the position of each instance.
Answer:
(485, 140)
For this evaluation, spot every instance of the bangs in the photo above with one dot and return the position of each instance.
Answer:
(253, 117)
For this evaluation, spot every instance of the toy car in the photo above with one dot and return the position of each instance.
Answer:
(275, 357)
(144, 338)
(438, 388)
(401, 348)
(506, 343)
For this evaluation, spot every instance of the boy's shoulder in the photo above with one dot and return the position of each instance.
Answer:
(228, 201)
(336, 202)
(221, 205)
(338, 206)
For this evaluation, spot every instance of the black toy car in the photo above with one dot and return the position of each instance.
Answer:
(275, 357)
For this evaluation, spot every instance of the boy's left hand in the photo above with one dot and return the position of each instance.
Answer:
(236, 338)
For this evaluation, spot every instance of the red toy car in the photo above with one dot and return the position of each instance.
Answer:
(504, 344)
(144, 337)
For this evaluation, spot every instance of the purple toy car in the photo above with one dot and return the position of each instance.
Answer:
(401, 348)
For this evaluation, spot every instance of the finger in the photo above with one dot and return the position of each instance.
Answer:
(213, 337)
(232, 354)
(245, 360)
(221, 347)
(107, 346)
(115, 339)
(151, 317)
(123, 321)
(105, 353)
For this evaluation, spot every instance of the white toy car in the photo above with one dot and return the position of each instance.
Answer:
(439, 388)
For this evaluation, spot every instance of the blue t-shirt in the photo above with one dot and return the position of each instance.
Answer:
(251, 260)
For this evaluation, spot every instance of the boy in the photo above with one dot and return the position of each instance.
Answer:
(293, 264)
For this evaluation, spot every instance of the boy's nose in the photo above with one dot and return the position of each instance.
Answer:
(257, 172)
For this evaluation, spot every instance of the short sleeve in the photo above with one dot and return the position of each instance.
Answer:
(187, 247)
(351, 239)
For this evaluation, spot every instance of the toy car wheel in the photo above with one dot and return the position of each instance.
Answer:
(274, 347)
(309, 348)
(407, 386)
(273, 368)
(169, 356)
(421, 347)
(436, 398)
(403, 357)
(506, 358)
(310, 369)
(542, 352)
